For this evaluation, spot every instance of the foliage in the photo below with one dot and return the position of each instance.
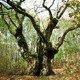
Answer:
(75, 14)
(71, 42)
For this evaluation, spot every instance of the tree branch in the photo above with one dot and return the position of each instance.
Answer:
(61, 40)
(12, 21)
(52, 4)
(20, 39)
(7, 24)
(5, 6)
(58, 11)
(50, 27)
(48, 9)
(59, 14)
(31, 18)
(19, 20)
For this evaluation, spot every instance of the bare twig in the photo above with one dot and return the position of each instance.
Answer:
(12, 21)
(59, 14)
(52, 4)
(48, 9)
(59, 11)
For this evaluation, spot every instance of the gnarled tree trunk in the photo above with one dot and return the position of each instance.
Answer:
(42, 50)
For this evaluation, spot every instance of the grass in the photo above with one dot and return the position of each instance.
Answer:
(64, 71)
(71, 72)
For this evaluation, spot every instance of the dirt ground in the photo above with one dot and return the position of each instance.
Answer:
(70, 71)
(55, 77)
(60, 75)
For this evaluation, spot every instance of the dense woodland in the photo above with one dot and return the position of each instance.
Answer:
(40, 38)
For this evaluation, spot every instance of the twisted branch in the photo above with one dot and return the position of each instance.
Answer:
(17, 9)
(64, 34)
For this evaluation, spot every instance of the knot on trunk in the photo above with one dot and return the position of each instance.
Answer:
(50, 52)
(55, 21)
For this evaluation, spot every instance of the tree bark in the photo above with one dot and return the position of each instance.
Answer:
(49, 70)
(22, 43)
(50, 53)
(39, 65)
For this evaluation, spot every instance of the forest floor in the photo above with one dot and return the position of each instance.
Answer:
(67, 72)
(61, 74)
(56, 77)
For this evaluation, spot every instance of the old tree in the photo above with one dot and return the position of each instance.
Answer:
(13, 14)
